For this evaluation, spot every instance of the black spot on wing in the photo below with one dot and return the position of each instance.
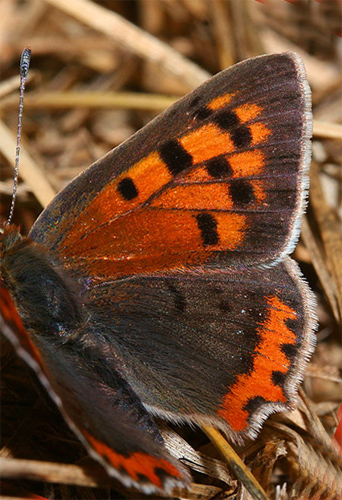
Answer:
(207, 225)
(254, 403)
(163, 474)
(241, 136)
(278, 378)
(175, 156)
(290, 350)
(194, 102)
(197, 110)
(178, 297)
(219, 167)
(226, 119)
(127, 189)
(292, 323)
(240, 133)
(225, 306)
(242, 192)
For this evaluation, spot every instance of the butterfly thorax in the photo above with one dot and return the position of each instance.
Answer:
(48, 299)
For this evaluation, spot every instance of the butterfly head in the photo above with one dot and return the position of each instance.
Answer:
(10, 238)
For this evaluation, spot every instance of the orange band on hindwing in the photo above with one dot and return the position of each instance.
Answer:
(269, 359)
(136, 464)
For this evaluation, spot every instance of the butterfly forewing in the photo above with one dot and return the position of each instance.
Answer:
(219, 177)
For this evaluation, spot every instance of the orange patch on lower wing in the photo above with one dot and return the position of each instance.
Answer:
(136, 464)
(274, 333)
(206, 143)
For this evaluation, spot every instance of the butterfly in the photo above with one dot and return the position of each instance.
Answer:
(159, 282)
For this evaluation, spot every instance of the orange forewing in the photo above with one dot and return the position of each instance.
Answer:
(112, 251)
(133, 241)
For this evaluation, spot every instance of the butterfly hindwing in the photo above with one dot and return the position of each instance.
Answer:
(231, 347)
(219, 177)
(109, 417)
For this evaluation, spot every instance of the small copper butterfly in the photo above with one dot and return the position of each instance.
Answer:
(158, 282)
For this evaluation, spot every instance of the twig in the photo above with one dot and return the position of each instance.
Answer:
(89, 476)
(327, 130)
(92, 100)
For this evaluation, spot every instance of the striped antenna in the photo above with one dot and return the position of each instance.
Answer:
(24, 67)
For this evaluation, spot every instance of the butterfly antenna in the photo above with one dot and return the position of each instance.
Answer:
(24, 67)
